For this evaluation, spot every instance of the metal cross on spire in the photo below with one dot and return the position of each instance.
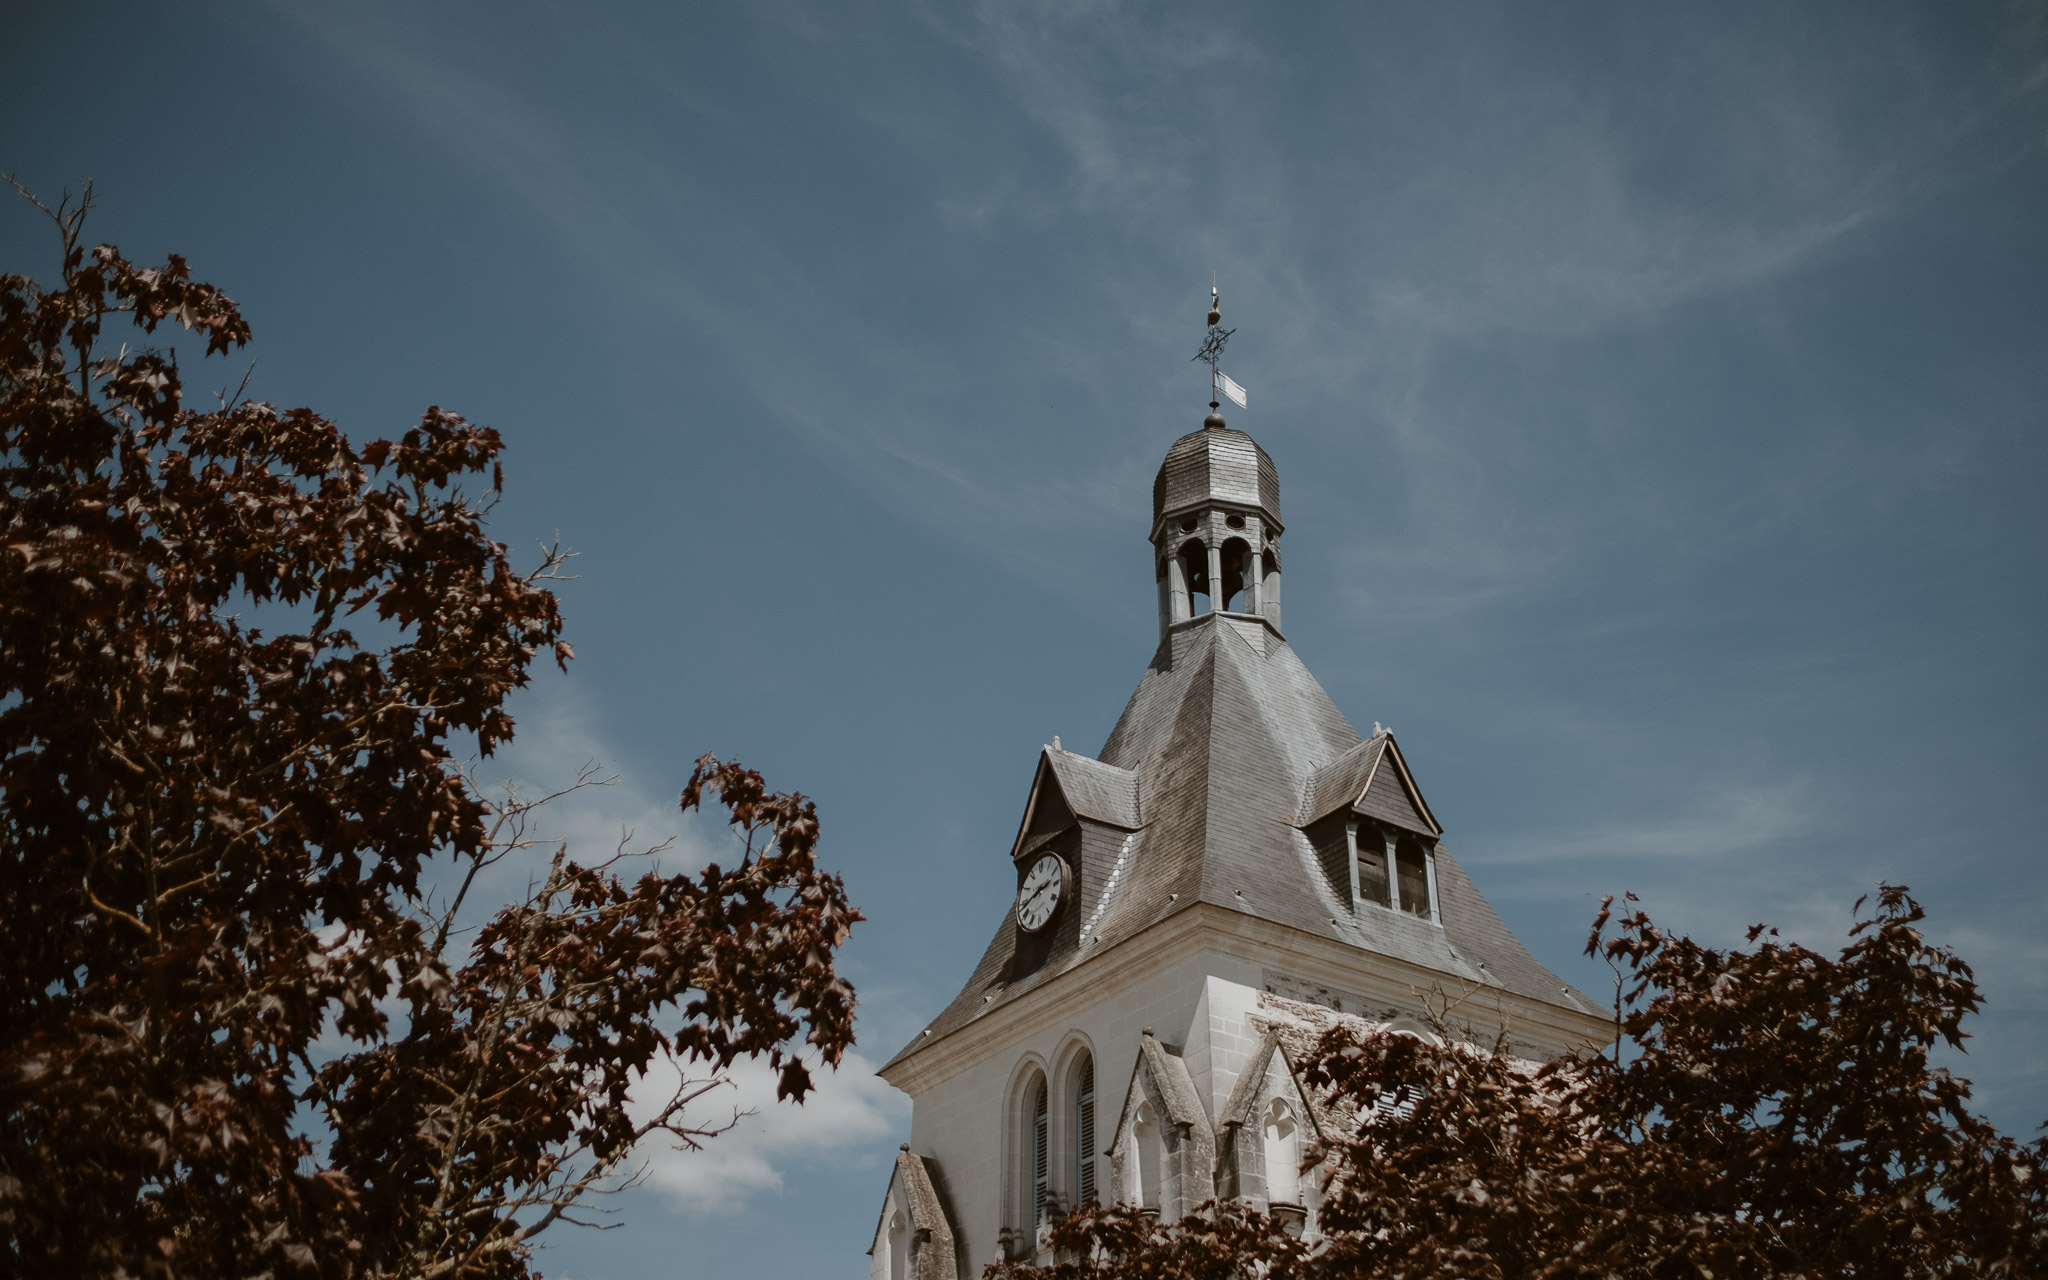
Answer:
(1211, 354)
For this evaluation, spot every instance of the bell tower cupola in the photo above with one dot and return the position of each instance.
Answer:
(1216, 512)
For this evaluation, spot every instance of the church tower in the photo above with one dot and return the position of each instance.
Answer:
(1234, 869)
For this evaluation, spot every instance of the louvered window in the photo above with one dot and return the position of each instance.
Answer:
(1084, 1126)
(1412, 866)
(1372, 867)
(1395, 1104)
(1038, 1153)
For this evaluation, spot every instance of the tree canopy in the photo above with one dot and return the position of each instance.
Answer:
(251, 1021)
(1770, 1112)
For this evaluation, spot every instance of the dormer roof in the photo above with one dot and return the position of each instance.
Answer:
(1373, 781)
(1087, 788)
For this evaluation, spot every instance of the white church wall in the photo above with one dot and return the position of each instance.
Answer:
(1223, 1039)
(965, 1124)
(1196, 980)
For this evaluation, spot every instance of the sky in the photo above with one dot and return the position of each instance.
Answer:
(1658, 393)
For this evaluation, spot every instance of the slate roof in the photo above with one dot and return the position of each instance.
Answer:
(1096, 790)
(1222, 752)
(1216, 464)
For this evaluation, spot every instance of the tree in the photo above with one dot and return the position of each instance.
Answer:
(241, 1033)
(1775, 1114)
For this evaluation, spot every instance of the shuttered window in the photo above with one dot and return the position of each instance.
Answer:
(1084, 1126)
(1372, 867)
(1413, 868)
(1038, 1153)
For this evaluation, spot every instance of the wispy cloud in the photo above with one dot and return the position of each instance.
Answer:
(1723, 821)
(847, 1114)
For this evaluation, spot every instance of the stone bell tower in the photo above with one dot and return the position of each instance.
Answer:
(1236, 868)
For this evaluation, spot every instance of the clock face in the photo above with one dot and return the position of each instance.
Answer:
(1040, 895)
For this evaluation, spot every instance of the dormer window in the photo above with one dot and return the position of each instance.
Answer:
(1411, 867)
(1373, 886)
(1391, 869)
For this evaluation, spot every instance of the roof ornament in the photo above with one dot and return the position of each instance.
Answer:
(1211, 354)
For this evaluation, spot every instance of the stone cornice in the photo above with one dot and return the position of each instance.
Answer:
(1204, 928)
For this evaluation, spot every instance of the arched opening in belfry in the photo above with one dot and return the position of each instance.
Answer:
(1238, 570)
(1269, 587)
(1193, 558)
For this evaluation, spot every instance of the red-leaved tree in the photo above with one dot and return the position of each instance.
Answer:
(1773, 1112)
(251, 1020)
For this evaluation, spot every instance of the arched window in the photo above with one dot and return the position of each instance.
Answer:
(1396, 1102)
(1283, 1154)
(1084, 1132)
(1039, 1136)
(899, 1247)
(1194, 562)
(1146, 1138)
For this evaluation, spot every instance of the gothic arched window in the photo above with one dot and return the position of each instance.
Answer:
(1040, 1135)
(1283, 1154)
(1084, 1131)
(1147, 1160)
(899, 1247)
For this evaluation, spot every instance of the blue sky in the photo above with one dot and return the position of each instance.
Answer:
(1657, 391)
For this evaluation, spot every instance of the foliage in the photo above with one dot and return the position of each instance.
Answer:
(239, 1033)
(1776, 1115)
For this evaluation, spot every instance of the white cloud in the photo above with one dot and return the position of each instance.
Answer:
(556, 737)
(850, 1110)
(1722, 821)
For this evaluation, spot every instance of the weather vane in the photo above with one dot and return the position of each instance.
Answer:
(1211, 354)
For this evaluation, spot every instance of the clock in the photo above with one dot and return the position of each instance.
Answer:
(1038, 898)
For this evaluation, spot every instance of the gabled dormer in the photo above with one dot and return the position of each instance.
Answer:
(1077, 827)
(1372, 830)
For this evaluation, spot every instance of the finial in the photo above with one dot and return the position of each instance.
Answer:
(1219, 384)
(1211, 354)
(1056, 742)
